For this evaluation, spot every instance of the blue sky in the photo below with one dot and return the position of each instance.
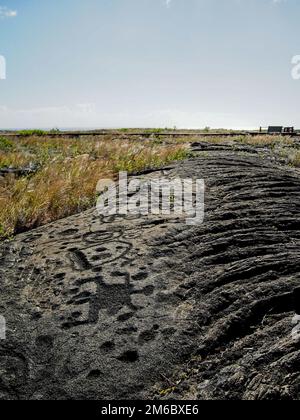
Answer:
(154, 63)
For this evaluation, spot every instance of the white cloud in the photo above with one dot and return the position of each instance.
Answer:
(168, 3)
(7, 13)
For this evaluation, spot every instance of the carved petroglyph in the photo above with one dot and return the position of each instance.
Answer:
(107, 307)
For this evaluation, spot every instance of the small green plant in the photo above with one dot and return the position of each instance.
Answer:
(165, 392)
(154, 131)
(5, 144)
(28, 133)
(158, 141)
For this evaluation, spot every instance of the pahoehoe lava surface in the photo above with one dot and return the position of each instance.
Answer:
(121, 307)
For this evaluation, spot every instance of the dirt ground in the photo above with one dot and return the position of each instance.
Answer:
(149, 307)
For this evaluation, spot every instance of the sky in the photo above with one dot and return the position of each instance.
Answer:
(149, 63)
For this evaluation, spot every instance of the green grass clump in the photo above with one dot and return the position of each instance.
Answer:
(5, 144)
(154, 131)
(28, 133)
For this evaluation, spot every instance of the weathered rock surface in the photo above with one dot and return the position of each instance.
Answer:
(18, 172)
(122, 307)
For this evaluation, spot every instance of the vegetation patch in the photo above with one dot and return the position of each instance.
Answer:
(28, 133)
(67, 175)
(5, 144)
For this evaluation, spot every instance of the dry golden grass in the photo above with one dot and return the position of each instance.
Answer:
(69, 170)
(264, 141)
(260, 141)
(290, 154)
(295, 158)
(14, 159)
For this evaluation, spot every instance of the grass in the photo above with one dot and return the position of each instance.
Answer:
(259, 141)
(294, 158)
(29, 133)
(67, 174)
(264, 141)
(5, 144)
(68, 170)
(290, 154)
